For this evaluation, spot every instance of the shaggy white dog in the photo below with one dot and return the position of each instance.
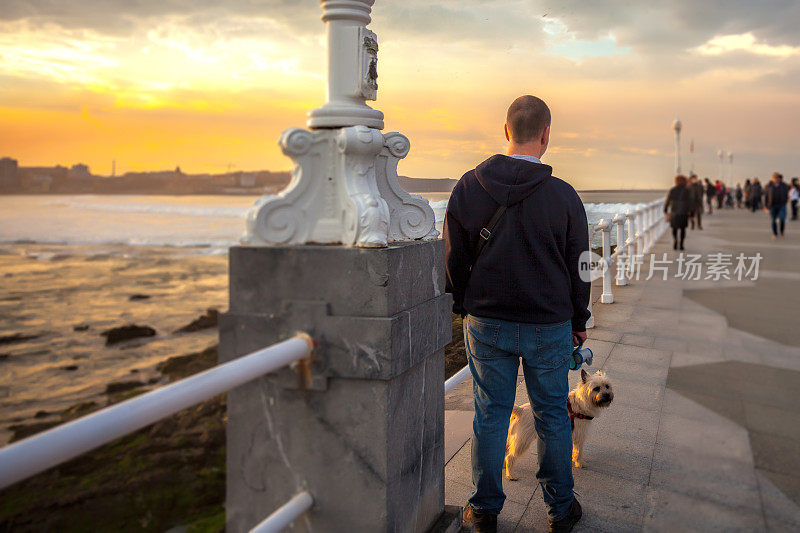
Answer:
(586, 401)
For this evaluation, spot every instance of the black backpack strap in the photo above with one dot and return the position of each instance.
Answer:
(486, 231)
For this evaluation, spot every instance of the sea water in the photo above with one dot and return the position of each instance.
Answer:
(212, 222)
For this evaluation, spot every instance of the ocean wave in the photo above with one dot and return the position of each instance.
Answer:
(155, 208)
(611, 208)
(208, 226)
(211, 246)
(594, 212)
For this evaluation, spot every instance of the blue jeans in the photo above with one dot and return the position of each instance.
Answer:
(494, 348)
(778, 212)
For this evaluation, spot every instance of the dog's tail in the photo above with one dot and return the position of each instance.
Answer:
(515, 414)
(521, 433)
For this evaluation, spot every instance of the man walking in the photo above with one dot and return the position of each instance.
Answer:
(514, 235)
(777, 194)
(711, 191)
(755, 200)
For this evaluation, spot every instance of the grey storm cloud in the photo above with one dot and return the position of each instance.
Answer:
(651, 28)
(678, 24)
(507, 21)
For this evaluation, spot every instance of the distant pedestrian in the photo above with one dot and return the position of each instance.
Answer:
(697, 193)
(677, 207)
(755, 200)
(711, 191)
(739, 196)
(747, 192)
(777, 194)
(794, 196)
(720, 193)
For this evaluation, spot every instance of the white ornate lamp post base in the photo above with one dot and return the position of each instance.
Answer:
(344, 189)
(344, 186)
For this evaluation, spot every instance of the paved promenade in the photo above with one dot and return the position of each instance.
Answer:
(704, 431)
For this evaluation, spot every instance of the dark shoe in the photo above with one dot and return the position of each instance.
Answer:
(566, 524)
(481, 523)
(681, 247)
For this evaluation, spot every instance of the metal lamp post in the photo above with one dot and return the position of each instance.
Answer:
(721, 155)
(676, 125)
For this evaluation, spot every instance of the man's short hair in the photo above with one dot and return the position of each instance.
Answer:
(527, 118)
(777, 175)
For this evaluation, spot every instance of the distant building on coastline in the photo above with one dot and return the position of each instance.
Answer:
(79, 171)
(9, 174)
(78, 179)
(42, 179)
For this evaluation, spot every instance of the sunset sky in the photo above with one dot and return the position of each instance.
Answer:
(208, 84)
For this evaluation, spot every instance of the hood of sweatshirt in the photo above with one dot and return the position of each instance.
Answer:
(509, 180)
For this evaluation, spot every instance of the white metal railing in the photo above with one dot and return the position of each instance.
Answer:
(50, 448)
(285, 514)
(645, 226)
(457, 379)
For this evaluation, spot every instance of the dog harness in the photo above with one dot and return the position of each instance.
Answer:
(573, 415)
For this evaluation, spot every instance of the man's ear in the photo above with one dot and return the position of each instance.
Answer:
(505, 128)
(545, 136)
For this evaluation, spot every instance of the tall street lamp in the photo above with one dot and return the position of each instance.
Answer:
(676, 125)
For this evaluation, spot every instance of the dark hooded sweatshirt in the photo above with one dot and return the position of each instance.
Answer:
(528, 271)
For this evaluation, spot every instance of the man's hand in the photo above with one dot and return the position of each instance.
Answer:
(578, 338)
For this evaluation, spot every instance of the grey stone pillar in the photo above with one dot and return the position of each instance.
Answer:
(362, 428)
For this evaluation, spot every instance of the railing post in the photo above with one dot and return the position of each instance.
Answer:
(653, 220)
(622, 250)
(655, 225)
(631, 242)
(607, 297)
(644, 230)
(639, 231)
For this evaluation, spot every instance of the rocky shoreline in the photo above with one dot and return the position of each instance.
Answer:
(170, 474)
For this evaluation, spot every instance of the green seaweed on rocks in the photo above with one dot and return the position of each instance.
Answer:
(169, 474)
(455, 355)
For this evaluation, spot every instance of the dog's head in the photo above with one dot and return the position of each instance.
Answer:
(596, 388)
